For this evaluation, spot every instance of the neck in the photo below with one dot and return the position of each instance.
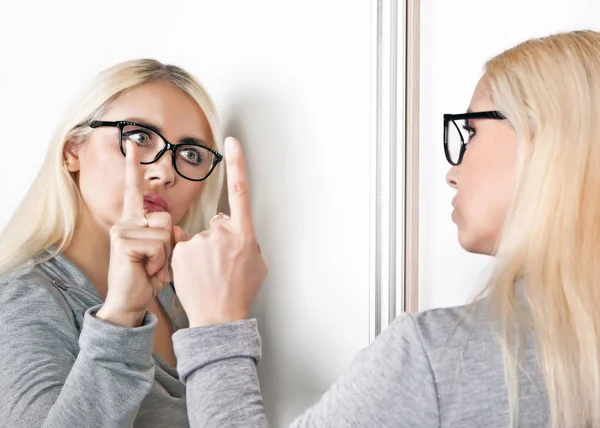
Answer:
(90, 250)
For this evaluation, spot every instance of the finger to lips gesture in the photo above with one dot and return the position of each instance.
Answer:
(140, 248)
(218, 272)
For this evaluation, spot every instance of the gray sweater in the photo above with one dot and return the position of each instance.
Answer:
(62, 367)
(73, 370)
(433, 369)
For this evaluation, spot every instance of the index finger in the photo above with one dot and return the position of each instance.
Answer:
(237, 186)
(133, 198)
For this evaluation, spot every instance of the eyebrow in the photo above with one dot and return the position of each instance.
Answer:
(183, 140)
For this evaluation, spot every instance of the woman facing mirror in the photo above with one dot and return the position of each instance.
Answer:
(526, 171)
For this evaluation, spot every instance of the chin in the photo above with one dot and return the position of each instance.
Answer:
(471, 244)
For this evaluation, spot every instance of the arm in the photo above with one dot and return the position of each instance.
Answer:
(217, 273)
(390, 384)
(47, 382)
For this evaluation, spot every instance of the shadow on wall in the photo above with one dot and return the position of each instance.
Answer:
(257, 119)
(262, 120)
(248, 116)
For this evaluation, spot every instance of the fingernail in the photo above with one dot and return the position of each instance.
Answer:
(230, 145)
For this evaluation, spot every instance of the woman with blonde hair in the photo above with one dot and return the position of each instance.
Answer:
(86, 312)
(526, 170)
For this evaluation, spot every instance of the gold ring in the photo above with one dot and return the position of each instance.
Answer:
(144, 212)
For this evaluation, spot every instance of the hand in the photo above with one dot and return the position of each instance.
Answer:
(218, 272)
(139, 253)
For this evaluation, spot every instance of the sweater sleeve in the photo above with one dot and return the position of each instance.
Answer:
(48, 381)
(390, 383)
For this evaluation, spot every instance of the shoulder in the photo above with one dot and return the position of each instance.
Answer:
(26, 282)
(26, 301)
(445, 328)
(459, 340)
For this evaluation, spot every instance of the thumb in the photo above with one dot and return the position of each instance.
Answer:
(179, 235)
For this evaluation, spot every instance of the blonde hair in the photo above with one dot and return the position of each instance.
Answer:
(547, 276)
(48, 214)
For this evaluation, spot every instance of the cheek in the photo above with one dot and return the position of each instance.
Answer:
(485, 193)
(101, 182)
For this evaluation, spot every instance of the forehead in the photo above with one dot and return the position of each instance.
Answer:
(481, 99)
(163, 105)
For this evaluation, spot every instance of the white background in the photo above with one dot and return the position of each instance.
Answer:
(292, 81)
(457, 38)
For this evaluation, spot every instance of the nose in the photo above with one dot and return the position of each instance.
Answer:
(451, 177)
(162, 171)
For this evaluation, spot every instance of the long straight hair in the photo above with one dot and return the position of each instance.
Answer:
(547, 275)
(48, 214)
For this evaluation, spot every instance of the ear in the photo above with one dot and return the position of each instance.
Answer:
(71, 156)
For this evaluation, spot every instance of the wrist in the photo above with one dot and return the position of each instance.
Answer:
(214, 319)
(121, 318)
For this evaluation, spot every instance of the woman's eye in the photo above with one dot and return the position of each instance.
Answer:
(191, 156)
(140, 138)
(470, 131)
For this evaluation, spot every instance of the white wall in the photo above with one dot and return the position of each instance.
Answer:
(457, 37)
(292, 80)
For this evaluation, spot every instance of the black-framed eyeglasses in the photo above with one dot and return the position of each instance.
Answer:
(191, 160)
(458, 132)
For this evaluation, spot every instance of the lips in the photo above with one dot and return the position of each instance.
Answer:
(155, 203)
(453, 215)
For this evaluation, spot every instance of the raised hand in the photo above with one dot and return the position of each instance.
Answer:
(218, 272)
(140, 248)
